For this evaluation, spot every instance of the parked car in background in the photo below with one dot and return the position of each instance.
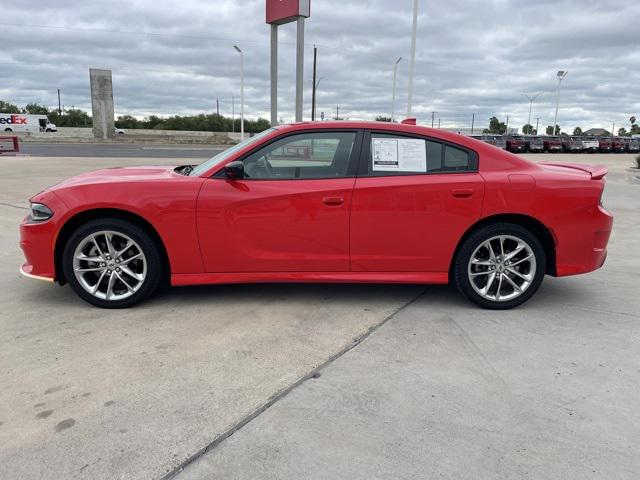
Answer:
(552, 144)
(590, 144)
(605, 144)
(619, 144)
(633, 145)
(515, 144)
(120, 131)
(495, 140)
(534, 144)
(391, 203)
(572, 144)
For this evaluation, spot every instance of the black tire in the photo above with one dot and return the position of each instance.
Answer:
(8, 130)
(477, 238)
(151, 251)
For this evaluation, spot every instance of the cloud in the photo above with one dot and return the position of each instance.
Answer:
(472, 57)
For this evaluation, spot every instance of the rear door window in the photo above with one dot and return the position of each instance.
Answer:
(390, 154)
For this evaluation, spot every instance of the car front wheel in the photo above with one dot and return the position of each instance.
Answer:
(112, 263)
(500, 266)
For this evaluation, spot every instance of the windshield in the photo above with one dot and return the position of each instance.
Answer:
(222, 156)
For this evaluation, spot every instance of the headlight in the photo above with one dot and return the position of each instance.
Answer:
(40, 212)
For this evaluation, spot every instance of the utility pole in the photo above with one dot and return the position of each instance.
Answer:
(433, 116)
(613, 130)
(412, 63)
(506, 130)
(313, 94)
(438, 122)
(217, 106)
(537, 123)
(473, 121)
(59, 103)
(337, 112)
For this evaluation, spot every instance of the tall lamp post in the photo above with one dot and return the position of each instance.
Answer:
(393, 95)
(241, 91)
(531, 100)
(412, 62)
(561, 74)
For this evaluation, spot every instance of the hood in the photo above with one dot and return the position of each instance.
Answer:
(119, 175)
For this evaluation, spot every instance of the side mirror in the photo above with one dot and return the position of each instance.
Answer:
(234, 170)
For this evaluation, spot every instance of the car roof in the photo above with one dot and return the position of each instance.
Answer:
(388, 126)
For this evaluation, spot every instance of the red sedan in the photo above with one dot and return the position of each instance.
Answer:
(324, 202)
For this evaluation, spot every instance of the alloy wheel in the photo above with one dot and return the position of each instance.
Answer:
(502, 268)
(109, 265)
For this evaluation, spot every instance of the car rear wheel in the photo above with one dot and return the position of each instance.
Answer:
(112, 263)
(500, 266)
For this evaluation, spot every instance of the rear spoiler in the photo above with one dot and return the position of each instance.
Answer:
(596, 171)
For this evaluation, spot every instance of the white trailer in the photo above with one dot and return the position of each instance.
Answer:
(18, 122)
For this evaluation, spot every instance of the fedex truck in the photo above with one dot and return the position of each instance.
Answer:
(18, 122)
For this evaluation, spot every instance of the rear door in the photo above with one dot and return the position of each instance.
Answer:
(413, 200)
(291, 212)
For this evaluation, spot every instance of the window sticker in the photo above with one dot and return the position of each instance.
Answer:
(399, 155)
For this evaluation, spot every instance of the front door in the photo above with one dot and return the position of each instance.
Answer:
(290, 213)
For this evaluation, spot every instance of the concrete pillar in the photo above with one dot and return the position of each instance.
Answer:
(102, 103)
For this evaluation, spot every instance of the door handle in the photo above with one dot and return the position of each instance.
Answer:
(462, 192)
(333, 201)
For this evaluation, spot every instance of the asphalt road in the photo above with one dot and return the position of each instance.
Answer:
(99, 150)
(319, 381)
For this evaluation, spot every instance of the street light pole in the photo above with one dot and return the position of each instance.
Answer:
(473, 121)
(531, 100)
(393, 95)
(241, 91)
(412, 63)
(561, 74)
(233, 113)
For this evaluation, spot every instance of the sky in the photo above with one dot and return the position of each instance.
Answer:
(473, 57)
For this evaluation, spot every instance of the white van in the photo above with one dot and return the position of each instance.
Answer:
(18, 122)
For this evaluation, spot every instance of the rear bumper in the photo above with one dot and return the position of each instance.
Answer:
(582, 247)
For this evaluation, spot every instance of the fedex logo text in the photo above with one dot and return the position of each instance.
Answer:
(13, 120)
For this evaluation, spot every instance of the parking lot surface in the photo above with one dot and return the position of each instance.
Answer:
(433, 387)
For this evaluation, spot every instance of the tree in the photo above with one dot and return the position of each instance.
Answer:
(622, 132)
(632, 120)
(577, 132)
(36, 109)
(6, 107)
(550, 130)
(382, 118)
(528, 129)
(127, 121)
(496, 127)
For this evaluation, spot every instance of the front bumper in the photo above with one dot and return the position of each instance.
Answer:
(26, 270)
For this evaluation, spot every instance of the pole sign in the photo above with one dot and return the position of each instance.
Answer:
(280, 12)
